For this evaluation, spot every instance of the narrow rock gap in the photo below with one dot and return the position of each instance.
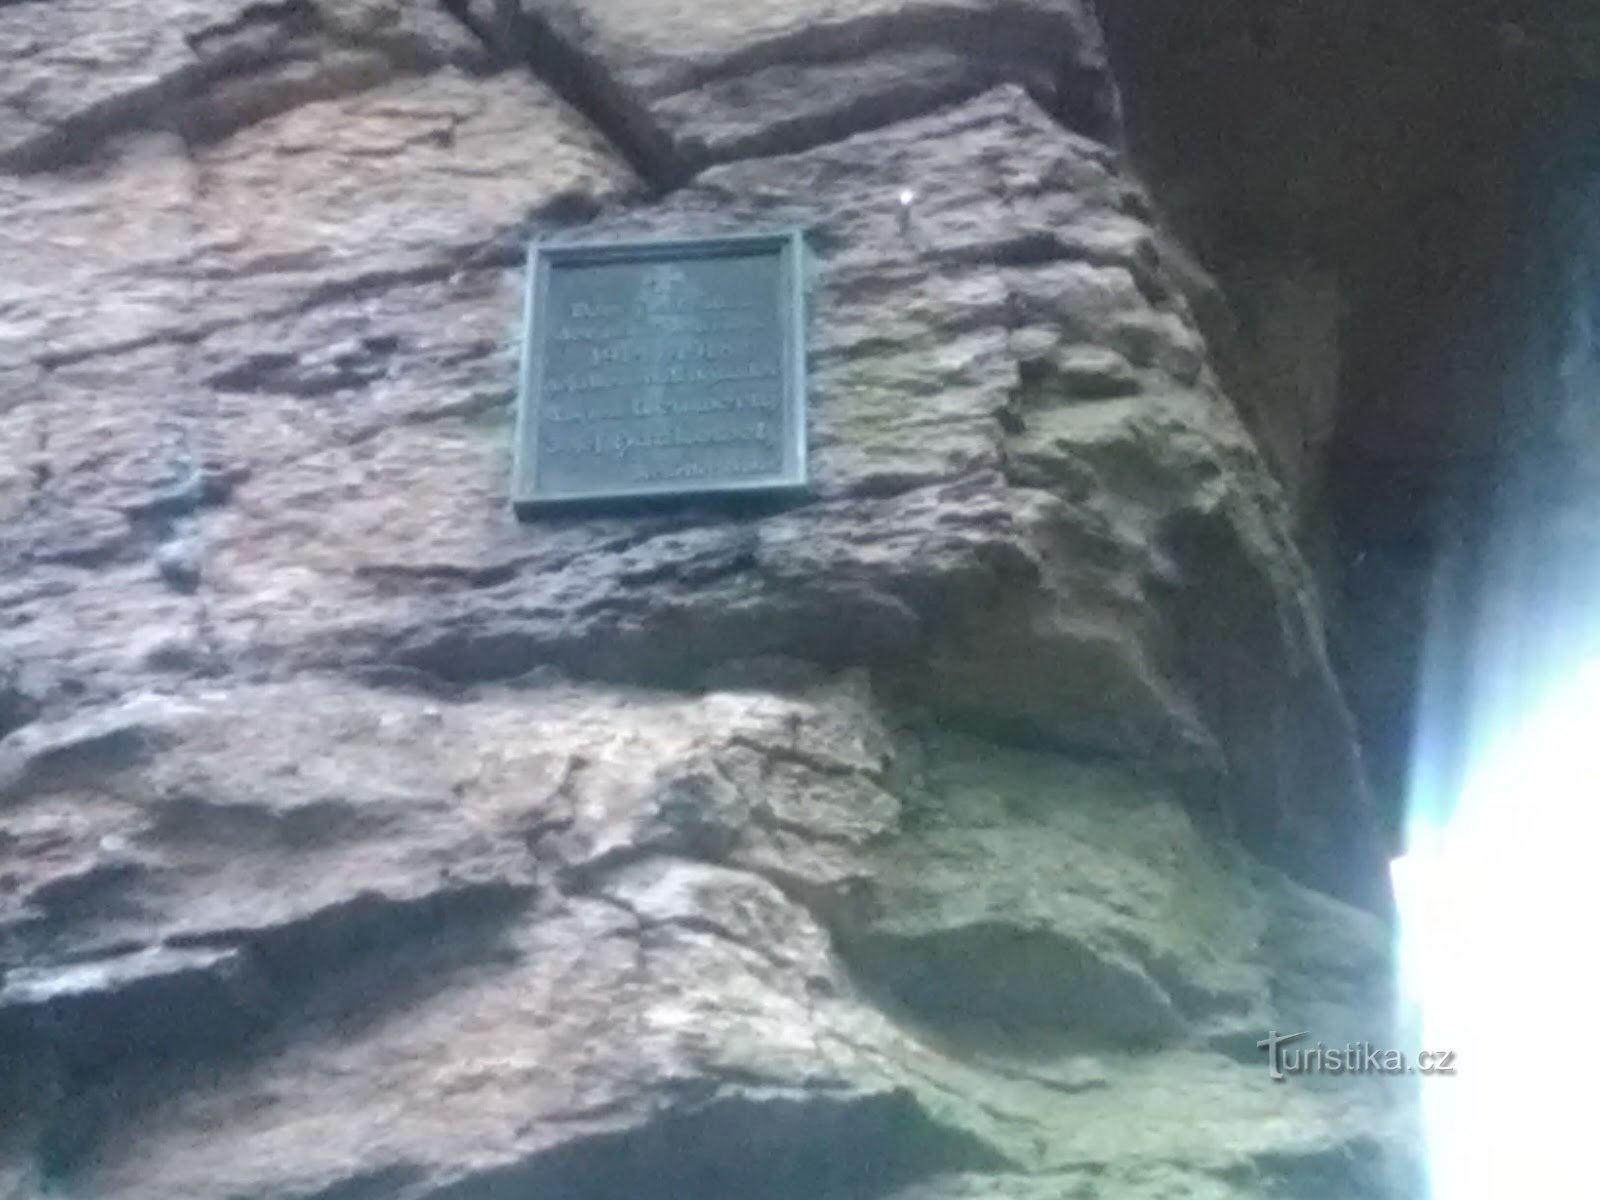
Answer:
(77, 139)
(527, 35)
(233, 82)
(268, 37)
(92, 1052)
(1055, 57)
(774, 1145)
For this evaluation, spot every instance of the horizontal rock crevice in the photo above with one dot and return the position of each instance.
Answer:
(833, 923)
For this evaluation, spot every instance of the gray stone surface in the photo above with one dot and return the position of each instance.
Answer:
(1112, 572)
(595, 941)
(947, 834)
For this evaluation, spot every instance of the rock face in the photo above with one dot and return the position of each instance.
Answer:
(956, 832)
(1377, 187)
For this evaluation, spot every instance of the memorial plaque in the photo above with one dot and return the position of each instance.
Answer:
(661, 369)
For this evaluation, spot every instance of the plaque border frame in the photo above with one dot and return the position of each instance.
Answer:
(789, 247)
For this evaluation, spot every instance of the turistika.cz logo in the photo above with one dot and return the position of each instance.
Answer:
(1284, 1058)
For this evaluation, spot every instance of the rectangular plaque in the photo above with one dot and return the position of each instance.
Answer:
(657, 369)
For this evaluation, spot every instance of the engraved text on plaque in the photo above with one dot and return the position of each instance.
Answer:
(661, 369)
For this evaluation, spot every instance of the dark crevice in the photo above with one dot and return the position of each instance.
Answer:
(1001, 32)
(798, 1147)
(176, 337)
(407, 577)
(1374, 187)
(284, 374)
(809, 130)
(294, 955)
(1038, 249)
(298, 15)
(919, 91)
(78, 138)
(231, 83)
(78, 754)
(1027, 979)
(223, 995)
(208, 485)
(794, 756)
(940, 56)
(555, 55)
(380, 1183)
(232, 103)
(1058, 58)
(18, 705)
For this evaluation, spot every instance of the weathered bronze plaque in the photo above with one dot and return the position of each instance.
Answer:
(655, 369)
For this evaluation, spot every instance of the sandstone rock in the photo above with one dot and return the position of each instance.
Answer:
(84, 73)
(591, 941)
(18, 705)
(942, 834)
(158, 241)
(940, 547)
(759, 77)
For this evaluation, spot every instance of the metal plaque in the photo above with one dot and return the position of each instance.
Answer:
(657, 369)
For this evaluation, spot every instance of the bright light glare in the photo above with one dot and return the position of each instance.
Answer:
(1499, 948)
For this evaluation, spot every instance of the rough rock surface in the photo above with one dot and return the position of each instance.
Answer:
(315, 939)
(955, 832)
(1376, 186)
